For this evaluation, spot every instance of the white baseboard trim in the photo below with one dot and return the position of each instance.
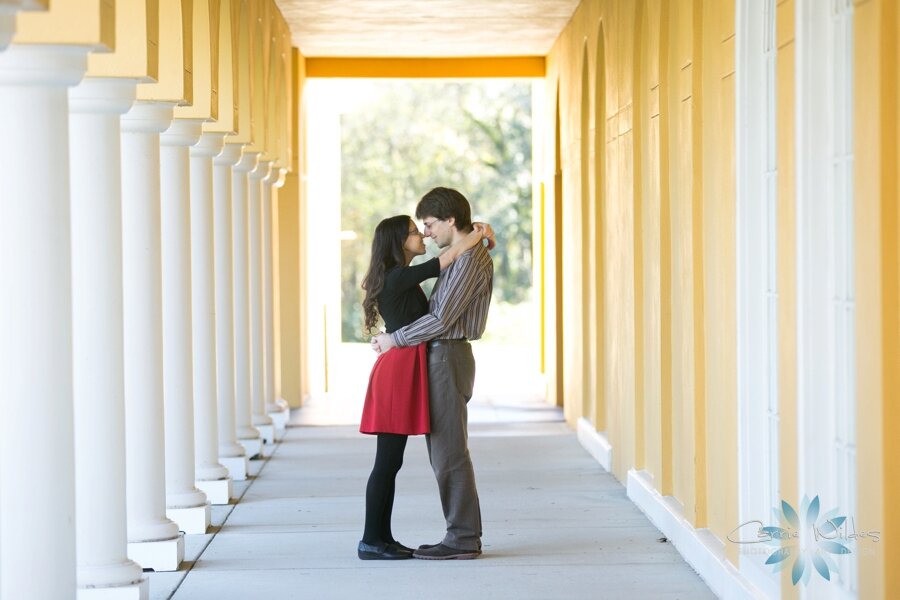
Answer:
(699, 547)
(595, 443)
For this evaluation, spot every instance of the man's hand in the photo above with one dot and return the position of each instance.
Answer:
(382, 342)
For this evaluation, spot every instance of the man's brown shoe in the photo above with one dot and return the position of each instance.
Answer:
(442, 552)
(428, 546)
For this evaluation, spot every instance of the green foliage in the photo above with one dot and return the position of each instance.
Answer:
(415, 135)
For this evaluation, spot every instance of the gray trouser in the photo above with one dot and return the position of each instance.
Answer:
(451, 375)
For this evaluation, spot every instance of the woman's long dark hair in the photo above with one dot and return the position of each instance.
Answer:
(387, 253)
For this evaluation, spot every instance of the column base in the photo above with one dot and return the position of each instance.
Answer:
(218, 491)
(232, 448)
(267, 449)
(135, 591)
(191, 520)
(267, 433)
(280, 417)
(253, 447)
(158, 555)
(247, 432)
(236, 465)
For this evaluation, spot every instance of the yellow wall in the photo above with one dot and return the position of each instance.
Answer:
(646, 143)
(656, 183)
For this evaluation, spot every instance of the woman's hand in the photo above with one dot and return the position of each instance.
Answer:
(487, 232)
(480, 231)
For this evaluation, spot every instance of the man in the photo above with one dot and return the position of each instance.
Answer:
(457, 313)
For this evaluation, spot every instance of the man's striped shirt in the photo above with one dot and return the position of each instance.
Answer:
(459, 304)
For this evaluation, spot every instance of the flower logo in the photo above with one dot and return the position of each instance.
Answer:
(811, 542)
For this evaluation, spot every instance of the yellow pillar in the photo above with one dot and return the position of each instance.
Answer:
(292, 279)
(786, 269)
(87, 23)
(719, 257)
(877, 227)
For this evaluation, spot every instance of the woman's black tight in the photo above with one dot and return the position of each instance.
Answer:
(380, 489)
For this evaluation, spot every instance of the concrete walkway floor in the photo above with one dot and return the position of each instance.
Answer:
(555, 526)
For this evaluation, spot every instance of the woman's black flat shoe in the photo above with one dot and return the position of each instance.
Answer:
(392, 551)
(398, 547)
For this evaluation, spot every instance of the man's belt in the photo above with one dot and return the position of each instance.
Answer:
(446, 342)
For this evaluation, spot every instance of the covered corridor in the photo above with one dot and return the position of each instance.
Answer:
(716, 243)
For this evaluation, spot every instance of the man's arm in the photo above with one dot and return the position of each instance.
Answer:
(463, 283)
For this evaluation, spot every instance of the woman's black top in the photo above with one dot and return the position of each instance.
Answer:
(401, 300)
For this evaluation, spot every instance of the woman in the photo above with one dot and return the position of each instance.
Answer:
(397, 399)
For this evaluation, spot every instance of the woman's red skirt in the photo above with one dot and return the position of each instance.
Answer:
(397, 398)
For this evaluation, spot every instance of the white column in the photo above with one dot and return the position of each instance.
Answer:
(211, 477)
(231, 453)
(154, 541)
(37, 482)
(247, 434)
(276, 410)
(7, 24)
(261, 420)
(103, 567)
(185, 504)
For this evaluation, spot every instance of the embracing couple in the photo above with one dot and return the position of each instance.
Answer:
(423, 377)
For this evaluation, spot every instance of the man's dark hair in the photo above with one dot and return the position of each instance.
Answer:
(443, 203)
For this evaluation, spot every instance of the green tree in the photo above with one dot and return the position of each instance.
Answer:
(415, 135)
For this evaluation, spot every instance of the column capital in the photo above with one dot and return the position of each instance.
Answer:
(282, 176)
(209, 146)
(43, 65)
(262, 171)
(273, 174)
(230, 156)
(7, 25)
(183, 132)
(148, 117)
(11, 6)
(247, 163)
(102, 95)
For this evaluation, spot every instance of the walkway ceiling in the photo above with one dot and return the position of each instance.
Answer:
(426, 28)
